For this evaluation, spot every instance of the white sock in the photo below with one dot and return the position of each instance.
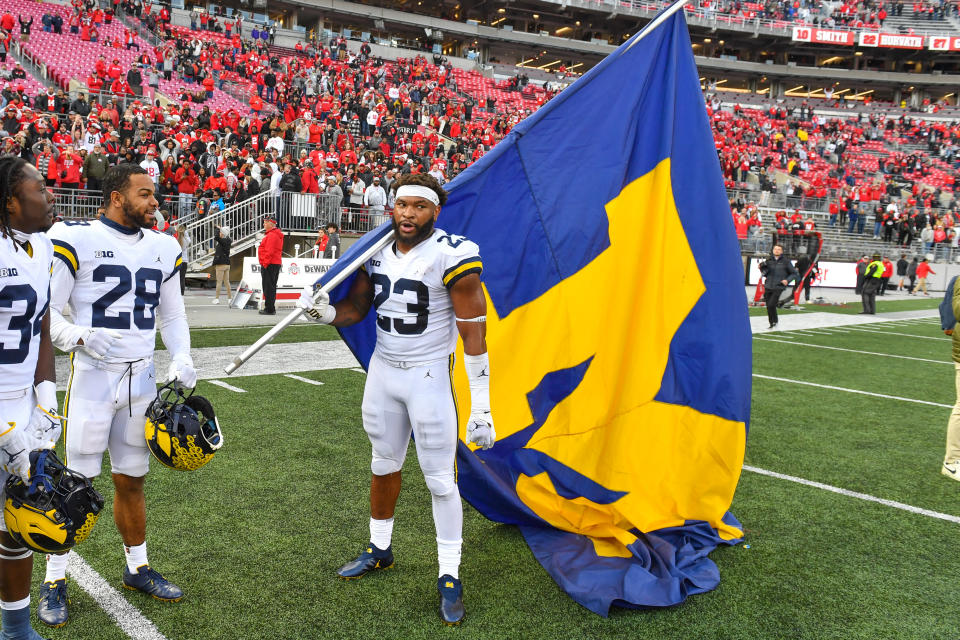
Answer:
(136, 556)
(448, 553)
(56, 566)
(13, 606)
(381, 531)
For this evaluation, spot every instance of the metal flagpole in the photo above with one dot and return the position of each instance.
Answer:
(328, 286)
(656, 22)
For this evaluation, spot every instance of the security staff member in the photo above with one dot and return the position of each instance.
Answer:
(777, 271)
(872, 278)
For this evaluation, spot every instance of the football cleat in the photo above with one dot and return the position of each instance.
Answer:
(372, 558)
(951, 470)
(182, 430)
(52, 608)
(151, 583)
(55, 510)
(451, 600)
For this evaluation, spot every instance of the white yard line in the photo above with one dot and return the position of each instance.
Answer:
(865, 393)
(823, 319)
(895, 333)
(855, 494)
(292, 357)
(294, 376)
(128, 618)
(358, 370)
(866, 353)
(221, 383)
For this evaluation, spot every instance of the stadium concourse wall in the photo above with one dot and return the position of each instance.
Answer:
(467, 31)
(289, 38)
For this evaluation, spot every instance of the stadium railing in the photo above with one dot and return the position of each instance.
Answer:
(295, 212)
(77, 203)
(713, 20)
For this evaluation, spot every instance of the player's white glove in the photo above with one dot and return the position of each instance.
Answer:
(480, 430)
(480, 425)
(15, 451)
(181, 369)
(98, 342)
(319, 309)
(45, 424)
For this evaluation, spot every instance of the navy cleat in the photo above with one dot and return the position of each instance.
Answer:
(372, 558)
(451, 600)
(52, 608)
(151, 583)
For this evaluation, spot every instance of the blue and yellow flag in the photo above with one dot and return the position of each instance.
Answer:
(617, 331)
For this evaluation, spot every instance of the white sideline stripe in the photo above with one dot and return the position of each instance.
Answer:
(866, 393)
(221, 383)
(855, 494)
(865, 353)
(294, 376)
(894, 333)
(128, 618)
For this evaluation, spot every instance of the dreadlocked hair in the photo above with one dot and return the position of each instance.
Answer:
(11, 175)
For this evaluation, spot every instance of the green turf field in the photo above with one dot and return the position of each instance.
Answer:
(254, 537)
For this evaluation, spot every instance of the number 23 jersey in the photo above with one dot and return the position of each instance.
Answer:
(117, 276)
(411, 296)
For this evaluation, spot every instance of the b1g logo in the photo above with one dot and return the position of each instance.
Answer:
(8, 272)
(103, 254)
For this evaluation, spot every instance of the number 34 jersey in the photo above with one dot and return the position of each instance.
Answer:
(24, 294)
(415, 319)
(114, 276)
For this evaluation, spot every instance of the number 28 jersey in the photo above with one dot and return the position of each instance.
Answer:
(116, 279)
(415, 319)
(24, 298)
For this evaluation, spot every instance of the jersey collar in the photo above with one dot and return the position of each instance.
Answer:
(117, 226)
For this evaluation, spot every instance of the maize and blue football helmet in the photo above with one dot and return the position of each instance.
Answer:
(53, 511)
(182, 430)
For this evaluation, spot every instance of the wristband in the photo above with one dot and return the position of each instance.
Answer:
(478, 373)
(46, 392)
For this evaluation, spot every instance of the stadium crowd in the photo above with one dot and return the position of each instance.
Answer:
(320, 118)
(325, 119)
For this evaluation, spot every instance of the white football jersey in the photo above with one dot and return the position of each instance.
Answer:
(117, 274)
(24, 298)
(415, 319)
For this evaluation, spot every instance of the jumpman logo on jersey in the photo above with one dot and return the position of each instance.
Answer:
(158, 259)
(428, 374)
(11, 456)
(483, 373)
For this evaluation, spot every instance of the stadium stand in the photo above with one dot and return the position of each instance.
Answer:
(333, 111)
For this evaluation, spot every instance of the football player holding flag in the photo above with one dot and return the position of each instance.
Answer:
(28, 393)
(425, 288)
(120, 279)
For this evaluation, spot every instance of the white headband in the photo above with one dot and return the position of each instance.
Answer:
(417, 191)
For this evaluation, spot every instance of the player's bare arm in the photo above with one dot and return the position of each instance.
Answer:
(469, 306)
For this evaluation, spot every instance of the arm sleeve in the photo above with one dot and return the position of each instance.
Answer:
(63, 333)
(172, 320)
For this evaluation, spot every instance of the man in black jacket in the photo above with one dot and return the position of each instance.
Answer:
(289, 184)
(221, 261)
(777, 271)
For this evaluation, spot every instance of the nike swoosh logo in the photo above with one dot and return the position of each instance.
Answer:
(952, 471)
